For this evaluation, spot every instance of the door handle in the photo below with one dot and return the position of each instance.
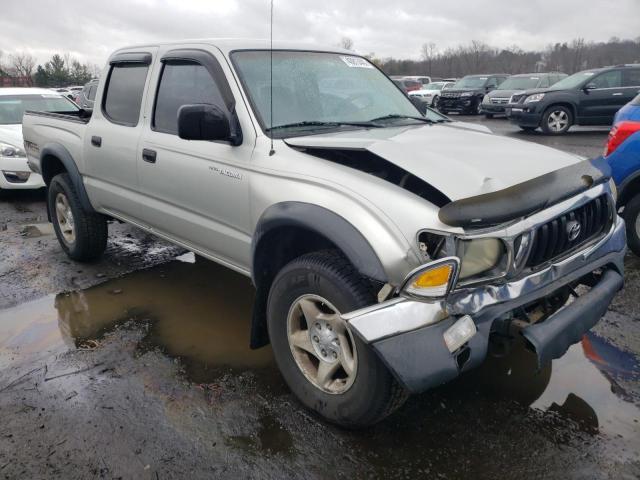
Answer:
(149, 155)
(616, 94)
(96, 141)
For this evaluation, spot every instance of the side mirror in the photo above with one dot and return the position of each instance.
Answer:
(419, 104)
(204, 122)
(589, 86)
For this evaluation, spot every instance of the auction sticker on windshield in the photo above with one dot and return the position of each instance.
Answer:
(356, 62)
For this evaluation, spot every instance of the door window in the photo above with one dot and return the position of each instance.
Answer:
(92, 92)
(611, 79)
(123, 96)
(631, 78)
(183, 83)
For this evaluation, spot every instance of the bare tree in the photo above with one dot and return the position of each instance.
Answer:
(23, 64)
(429, 53)
(346, 43)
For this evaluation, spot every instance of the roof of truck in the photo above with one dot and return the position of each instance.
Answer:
(27, 91)
(227, 45)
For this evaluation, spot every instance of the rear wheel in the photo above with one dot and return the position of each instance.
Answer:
(556, 120)
(81, 234)
(488, 115)
(632, 219)
(327, 366)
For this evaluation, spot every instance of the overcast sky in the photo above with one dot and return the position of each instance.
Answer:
(90, 30)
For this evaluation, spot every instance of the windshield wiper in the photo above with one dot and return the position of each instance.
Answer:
(321, 124)
(395, 116)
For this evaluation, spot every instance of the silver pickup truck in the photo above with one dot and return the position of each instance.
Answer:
(391, 250)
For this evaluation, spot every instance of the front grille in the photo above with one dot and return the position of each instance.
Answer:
(553, 239)
(499, 100)
(451, 94)
(517, 98)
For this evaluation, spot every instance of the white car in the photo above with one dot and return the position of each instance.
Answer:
(430, 93)
(14, 171)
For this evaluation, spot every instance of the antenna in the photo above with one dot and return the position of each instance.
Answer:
(272, 151)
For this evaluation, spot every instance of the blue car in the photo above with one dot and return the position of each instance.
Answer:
(623, 154)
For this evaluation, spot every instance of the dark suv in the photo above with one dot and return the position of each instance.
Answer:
(466, 95)
(590, 97)
(496, 101)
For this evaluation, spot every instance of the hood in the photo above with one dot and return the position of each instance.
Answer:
(457, 161)
(12, 134)
(503, 93)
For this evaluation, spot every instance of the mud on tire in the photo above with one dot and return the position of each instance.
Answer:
(374, 393)
(84, 237)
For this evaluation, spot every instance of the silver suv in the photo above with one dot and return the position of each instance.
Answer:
(388, 249)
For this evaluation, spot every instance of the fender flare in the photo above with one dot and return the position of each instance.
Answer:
(325, 223)
(62, 154)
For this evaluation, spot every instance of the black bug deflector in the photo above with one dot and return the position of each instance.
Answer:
(553, 337)
(527, 197)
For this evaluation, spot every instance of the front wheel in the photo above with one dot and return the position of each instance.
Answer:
(324, 363)
(435, 103)
(632, 219)
(81, 234)
(556, 120)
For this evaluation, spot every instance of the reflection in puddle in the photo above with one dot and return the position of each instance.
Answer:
(201, 313)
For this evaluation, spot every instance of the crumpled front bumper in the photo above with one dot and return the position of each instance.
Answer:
(408, 334)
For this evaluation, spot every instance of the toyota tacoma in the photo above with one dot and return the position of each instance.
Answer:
(390, 250)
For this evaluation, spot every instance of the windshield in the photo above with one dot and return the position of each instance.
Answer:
(470, 82)
(519, 83)
(315, 88)
(573, 81)
(12, 107)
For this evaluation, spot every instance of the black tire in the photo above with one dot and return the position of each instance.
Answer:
(527, 129)
(488, 115)
(90, 228)
(374, 393)
(556, 110)
(632, 219)
(435, 102)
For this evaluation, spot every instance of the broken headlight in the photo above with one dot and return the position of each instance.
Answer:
(480, 258)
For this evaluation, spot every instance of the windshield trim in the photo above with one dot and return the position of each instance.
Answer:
(256, 112)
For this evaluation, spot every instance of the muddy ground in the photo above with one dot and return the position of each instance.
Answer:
(138, 367)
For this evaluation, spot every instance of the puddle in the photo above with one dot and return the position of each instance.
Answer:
(200, 312)
(197, 311)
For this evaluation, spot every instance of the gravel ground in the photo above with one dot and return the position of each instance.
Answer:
(137, 366)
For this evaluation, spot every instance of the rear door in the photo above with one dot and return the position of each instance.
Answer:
(196, 192)
(599, 105)
(113, 134)
(630, 84)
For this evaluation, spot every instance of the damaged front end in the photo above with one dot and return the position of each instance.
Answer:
(548, 285)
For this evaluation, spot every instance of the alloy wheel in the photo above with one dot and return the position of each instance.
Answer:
(64, 216)
(558, 121)
(322, 345)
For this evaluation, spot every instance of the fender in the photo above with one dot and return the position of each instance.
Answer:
(62, 154)
(314, 219)
(326, 223)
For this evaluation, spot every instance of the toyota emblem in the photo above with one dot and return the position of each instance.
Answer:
(573, 230)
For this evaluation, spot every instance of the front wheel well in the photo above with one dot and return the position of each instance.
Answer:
(51, 166)
(274, 250)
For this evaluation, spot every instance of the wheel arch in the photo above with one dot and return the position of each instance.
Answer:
(56, 159)
(289, 229)
(628, 189)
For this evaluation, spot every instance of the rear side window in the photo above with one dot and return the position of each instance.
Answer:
(631, 78)
(611, 79)
(183, 83)
(123, 97)
(92, 92)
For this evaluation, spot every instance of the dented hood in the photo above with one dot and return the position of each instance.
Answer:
(458, 160)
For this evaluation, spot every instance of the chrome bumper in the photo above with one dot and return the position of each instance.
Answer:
(408, 334)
